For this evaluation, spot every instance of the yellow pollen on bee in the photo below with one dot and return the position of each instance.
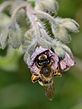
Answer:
(34, 78)
(42, 57)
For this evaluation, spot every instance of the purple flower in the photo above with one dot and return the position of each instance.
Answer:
(67, 62)
(39, 51)
(45, 64)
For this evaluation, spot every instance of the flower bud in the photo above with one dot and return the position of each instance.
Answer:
(60, 52)
(62, 28)
(15, 35)
(4, 21)
(50, 6)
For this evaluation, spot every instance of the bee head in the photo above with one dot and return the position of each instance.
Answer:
(43, 60)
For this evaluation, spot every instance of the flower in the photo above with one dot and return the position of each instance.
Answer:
(44, 64)
(40, 50)
(44, 48)
(66, 60)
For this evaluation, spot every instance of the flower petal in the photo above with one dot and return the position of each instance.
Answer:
(67, 62)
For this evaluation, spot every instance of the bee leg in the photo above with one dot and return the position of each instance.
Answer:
(58, 72)
(34, 78)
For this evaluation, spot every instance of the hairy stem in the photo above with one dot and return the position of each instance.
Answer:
(33, 19)
(13, 17)
(45, 15)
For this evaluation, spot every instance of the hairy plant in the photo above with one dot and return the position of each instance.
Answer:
(47, 55)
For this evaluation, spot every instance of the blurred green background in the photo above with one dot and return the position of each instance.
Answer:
(16, 88)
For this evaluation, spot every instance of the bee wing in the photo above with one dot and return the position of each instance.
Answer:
(49, 90)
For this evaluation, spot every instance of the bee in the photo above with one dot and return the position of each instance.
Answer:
(43, 62)
(46, 74)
